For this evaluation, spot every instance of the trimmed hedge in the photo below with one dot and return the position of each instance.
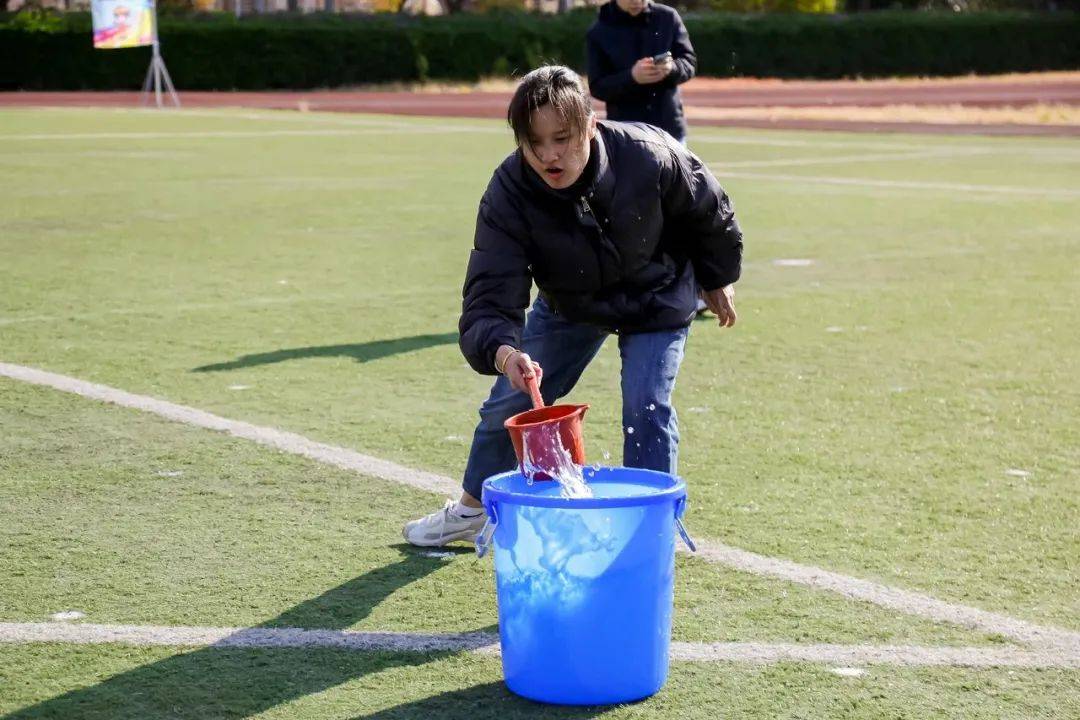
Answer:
(887, 44)
(219, 52)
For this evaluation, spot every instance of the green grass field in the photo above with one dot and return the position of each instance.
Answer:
(903, 409)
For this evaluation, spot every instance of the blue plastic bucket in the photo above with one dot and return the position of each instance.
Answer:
(585, 585)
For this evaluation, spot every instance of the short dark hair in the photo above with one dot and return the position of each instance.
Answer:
(553, 85)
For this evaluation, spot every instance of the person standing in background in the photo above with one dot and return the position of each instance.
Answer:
(627, 67)
(638, 53)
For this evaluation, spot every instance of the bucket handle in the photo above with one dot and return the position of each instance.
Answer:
(680, 510)
(483, 540)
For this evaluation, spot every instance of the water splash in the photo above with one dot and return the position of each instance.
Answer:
(547, 458)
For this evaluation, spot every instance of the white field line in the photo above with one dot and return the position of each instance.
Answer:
(154, 135)
(279, 439)
(488, 644)
(808, 180)
(1040, 193)
(254, 302)
(847, 655)
(816, 143)
(181, 308)
(290, 115)
(189, 307)
(905, 601)
(401, 122)
(897, 599)
(1007, 146)
(702, 134)
(843, 159)
(285, 115)
(228, 134)
(374, 122)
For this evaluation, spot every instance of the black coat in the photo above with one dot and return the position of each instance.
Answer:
(616, 41)
(626, 254)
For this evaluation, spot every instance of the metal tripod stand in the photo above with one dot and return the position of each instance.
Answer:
(157, 76)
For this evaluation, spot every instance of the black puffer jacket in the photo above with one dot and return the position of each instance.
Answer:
(622, 256)
(616, 41)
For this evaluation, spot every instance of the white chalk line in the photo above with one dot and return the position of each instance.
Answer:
(291, 115)
(226, 134)
(809, 180)
(168, 310)
(847, 655)
(703, 134)
(845, 159)
(361, 124)
(146, 135)
(278, 439)
(488, 644)
(912, 603)
(720, 139)
(905, 601)
(402, 122)
(1008, 145)
(249, 302)
(1005, 146)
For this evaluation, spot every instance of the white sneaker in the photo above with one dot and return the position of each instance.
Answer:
(443, 527)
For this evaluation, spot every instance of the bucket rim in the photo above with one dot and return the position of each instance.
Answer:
(674, 493)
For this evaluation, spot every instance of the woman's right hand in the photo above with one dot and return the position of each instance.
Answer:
(518, 367)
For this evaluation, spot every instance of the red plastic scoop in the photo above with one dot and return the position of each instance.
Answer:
(566, 420)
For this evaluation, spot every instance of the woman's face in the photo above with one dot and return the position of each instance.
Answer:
(632, 7)
(554, 151)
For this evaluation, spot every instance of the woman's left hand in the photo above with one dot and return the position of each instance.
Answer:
(722, 303)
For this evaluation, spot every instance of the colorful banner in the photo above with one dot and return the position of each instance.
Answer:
(123, 23)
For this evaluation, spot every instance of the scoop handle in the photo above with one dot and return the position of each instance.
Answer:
(534, 392)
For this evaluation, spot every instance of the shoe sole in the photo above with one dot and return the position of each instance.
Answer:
(468, 536)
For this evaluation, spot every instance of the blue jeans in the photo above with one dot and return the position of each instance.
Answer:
(650, 363)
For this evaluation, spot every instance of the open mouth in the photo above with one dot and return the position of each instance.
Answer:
(554, 173)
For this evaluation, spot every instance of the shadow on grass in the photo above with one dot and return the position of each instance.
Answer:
(361, 352)
(490, 701)
(220, 682)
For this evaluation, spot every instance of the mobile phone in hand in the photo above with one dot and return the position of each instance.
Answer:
(661, 58)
